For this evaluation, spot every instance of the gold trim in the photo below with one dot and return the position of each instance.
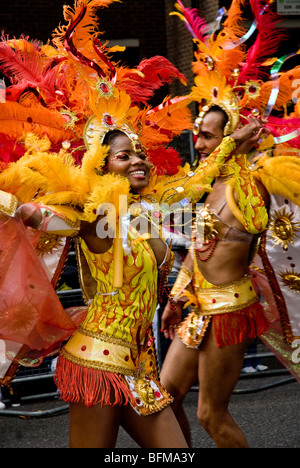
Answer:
(232, 284)
(61, 211)
(96, 365)
(230, 297)
(107, 339)
(187, 271)
(142, 390)
(8, 203)
(184, 332)
(226, 309)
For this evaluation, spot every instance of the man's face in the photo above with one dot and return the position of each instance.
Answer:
(210, 135)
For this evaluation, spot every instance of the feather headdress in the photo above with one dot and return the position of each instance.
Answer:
(72, 91)
(232, 76)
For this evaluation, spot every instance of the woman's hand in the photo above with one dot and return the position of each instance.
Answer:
(30, 215)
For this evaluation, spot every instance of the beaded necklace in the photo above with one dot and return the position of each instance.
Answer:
(207, 248)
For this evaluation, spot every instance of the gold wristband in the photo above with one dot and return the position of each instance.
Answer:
(183, 280)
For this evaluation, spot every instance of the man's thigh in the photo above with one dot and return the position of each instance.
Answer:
(180, 369)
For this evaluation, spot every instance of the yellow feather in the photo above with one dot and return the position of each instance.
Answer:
(281, 176)
(92, 162)
(107, 190)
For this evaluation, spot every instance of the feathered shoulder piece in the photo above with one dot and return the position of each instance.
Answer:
(280, 175)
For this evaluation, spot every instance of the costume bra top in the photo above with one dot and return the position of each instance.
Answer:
(215, 226)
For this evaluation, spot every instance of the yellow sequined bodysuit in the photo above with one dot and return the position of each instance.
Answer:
(112, 350)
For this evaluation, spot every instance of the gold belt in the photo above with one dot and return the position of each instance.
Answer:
(106, 354)
(226, 298)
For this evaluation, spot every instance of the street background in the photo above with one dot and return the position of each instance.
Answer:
(269, 418)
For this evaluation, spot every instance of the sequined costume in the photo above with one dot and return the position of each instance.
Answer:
(234, 307)
(112, 351)
(52, 131)
(234, 77)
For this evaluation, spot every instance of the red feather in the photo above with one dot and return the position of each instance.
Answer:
(27, 68)
(266, 45)
(196, 25)
(165, 160)
(157, 71)
(10, 150)
(280, 127)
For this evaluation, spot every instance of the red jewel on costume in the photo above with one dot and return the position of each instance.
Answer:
(157, 394)
(83, 348)
(106, 352)
(108, 120)
(215, 93)
(252, 89)
(104, 88)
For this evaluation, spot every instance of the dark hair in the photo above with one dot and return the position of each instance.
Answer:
(225, 117)
(108, 140)
(111, 136)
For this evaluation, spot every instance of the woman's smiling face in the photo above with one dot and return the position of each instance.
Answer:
(124, 161)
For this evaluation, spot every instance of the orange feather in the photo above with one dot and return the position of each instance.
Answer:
(16, 121)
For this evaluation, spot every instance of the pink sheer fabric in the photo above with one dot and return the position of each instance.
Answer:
(31, 314)
(273, 338)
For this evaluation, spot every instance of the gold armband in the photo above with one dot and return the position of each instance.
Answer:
(184, 278)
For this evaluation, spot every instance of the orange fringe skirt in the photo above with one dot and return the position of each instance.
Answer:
(233, 310)
(230, 329)
(90, 386)
(234, 328)
(100, 381)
